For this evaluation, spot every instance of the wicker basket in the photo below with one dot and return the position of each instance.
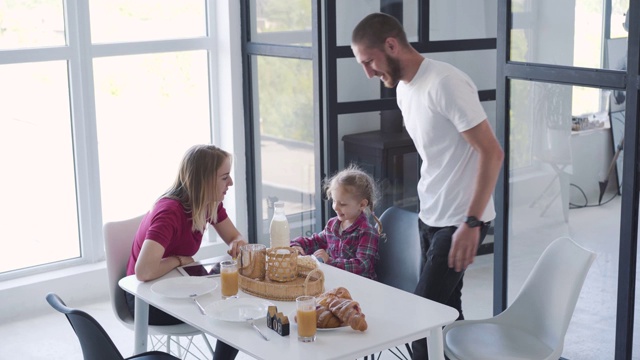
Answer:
(311, 284)
(282, 264)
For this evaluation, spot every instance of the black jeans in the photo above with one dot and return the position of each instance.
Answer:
(223, 351)
(439, 282)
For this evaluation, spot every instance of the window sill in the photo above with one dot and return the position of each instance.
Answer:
(77, 285)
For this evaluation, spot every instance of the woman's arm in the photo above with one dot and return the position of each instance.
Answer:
(151, 265)
(231, 236)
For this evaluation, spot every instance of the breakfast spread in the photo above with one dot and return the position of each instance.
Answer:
(306, 262)
(336, 308)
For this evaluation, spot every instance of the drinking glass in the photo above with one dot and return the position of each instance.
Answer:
(306, 318)
(229, 279)
(253, 258)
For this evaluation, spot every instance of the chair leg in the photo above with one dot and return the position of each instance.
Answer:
(398, 355)
(187, 349)
(192, 349)
(409, 350)
(206, 341)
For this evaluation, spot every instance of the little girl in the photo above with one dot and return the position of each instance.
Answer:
(348, 241)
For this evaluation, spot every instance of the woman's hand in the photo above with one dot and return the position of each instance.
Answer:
(234, 247)
(185, 260)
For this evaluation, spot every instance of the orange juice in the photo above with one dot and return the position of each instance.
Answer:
(229, 282)
(306, 323)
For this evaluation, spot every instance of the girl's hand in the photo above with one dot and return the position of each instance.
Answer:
(234, 247)
(321, 253)
(300, 250)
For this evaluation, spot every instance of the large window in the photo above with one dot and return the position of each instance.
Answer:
(94, 118)
(283, 87)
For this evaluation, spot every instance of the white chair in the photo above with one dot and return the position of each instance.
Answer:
(534, 325)
(118, 239)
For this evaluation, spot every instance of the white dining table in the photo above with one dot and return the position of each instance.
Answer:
(394, 317)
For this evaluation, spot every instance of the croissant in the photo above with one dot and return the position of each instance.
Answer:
(326, 319)
(339, 292)
(325, 298)
(348, 311)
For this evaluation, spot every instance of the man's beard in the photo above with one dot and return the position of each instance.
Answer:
(393, 72)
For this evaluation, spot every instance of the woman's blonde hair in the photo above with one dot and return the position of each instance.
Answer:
(196, 183)
(357, 183)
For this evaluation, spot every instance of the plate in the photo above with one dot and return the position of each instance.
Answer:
(293, 320)
(238, 309)
(184, 287)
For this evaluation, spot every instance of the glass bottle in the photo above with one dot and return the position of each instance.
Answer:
(279, 229)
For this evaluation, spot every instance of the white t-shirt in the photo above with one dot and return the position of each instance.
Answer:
(437, 105)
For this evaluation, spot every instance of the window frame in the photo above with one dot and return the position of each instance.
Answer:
(79, 54)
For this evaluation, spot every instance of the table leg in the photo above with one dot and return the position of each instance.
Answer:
(435, 344)
(141, 326)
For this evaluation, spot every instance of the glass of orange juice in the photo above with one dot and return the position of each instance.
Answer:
(229, 279)
(306, 318)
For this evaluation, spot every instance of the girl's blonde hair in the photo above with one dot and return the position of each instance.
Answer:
(357, 183)
(197, 182)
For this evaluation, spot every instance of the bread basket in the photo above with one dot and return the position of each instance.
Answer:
(307, 284)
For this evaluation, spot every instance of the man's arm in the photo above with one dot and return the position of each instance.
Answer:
(465, 241)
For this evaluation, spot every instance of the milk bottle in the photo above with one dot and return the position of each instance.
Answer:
(279, 229)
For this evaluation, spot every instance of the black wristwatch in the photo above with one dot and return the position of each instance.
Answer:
(472, 221)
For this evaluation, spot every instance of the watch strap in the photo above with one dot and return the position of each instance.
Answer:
(472, 221)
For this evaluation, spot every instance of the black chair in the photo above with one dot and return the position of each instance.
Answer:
(95, 342)
(399, 246)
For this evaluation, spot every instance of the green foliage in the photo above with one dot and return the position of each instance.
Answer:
(286, 98)
(285, 15)
(520, 129)
(518, 46)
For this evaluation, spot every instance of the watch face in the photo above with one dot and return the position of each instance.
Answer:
(472, 221)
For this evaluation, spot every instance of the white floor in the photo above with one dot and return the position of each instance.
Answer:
(51, 337)
(591, 334)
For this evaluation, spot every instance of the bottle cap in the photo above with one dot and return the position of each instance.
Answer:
(278, 204)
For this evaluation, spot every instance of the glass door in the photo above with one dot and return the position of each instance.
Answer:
(283, 114)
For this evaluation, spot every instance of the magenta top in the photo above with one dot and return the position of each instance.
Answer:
(169, 224)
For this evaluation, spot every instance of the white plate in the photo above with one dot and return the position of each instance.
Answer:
(293, 320)
(184, 287)
(238, 309)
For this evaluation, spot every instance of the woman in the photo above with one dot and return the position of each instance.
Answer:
(171, 232)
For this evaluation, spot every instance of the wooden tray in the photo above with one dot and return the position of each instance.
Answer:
(311, 283)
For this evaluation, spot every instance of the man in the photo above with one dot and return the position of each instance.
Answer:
(461, 157)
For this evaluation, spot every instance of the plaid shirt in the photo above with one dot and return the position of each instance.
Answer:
(354, 250)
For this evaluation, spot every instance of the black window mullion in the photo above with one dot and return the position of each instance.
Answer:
(608, 79)
(277, 50)
(628, 250)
